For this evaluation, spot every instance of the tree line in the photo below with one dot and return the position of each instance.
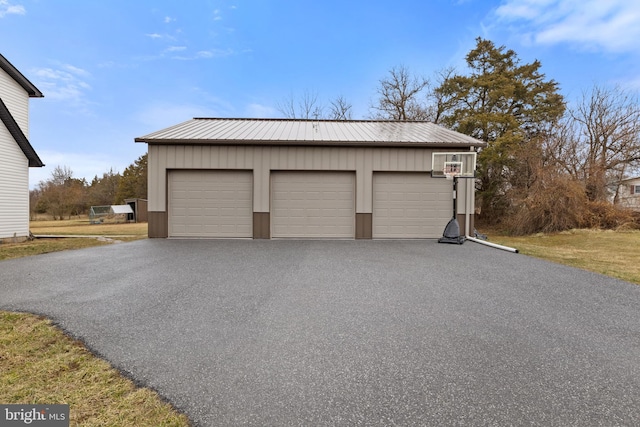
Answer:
(62, 196)
(547, 166)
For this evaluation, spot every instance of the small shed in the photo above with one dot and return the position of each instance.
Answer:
(116, 213)
(139, 207)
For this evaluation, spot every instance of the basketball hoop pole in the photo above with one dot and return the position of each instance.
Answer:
(452, 230)
(455, 196)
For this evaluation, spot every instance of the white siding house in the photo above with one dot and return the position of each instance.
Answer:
(629, 193)
(16, 153)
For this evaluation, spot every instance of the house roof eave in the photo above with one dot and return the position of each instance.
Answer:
(20, 138)
(16, 75)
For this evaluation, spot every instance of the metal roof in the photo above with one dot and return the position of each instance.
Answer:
(309, 132)
(121, 209)
(16, 75)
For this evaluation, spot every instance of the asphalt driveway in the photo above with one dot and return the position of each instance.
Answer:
(368, 333)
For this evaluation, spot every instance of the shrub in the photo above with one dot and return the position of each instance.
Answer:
(554, 204)
(608, 216)
(560, 203)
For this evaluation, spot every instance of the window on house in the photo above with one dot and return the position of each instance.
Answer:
(635, 189)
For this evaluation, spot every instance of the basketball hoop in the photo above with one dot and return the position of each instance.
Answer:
(450, 175)
(451, 170)
(454, 166)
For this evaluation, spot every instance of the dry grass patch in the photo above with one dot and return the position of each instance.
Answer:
(82, 226)
(43, 246)
(614, 253)
(39, 364)
(126, 232)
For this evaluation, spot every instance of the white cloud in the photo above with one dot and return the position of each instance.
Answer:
(75, 70)
(215, 53)
(216, 15)
(168, 19)
(610, 25)
(176, 48)
(632, 84)
(154, 36)
(7, 8)
(205, 54)
(65, 83)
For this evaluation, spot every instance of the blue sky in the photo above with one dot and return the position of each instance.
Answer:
(115, 70)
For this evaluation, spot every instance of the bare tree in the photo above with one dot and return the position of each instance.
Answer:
(438, 101)
(287, 106)
(599, 142)
(306, 107)
(610, 121)
(340, 109)
(61, 174)
(399, 96)
(62, 194)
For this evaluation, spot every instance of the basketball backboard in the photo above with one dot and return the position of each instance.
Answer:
(462, 165)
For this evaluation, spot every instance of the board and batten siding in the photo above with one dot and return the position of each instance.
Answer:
(262, 160)
(16, 99)
(14, 188)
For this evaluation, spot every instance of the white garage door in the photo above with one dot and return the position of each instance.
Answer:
(313, 204)
(410, 205)
(210, 204)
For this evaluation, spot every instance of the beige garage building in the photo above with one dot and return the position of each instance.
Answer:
(285, 178)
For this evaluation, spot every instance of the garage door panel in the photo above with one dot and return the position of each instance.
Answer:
(410, 205)
(313, 204)
(210, 203)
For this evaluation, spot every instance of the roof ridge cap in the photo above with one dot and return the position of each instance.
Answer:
(284, 119)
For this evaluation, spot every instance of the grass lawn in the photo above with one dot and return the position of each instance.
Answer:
(82, 226)
(613, 253)
(43, 246)
(41, 365)
(125, 232)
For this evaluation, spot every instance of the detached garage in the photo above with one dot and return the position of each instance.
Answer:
(285, 178)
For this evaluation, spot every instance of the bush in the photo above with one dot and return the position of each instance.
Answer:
(560, 203)
(554, 204)
(608, 216)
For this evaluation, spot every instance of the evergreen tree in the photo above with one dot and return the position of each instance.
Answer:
(133, 183)
(103, 191)
(509, 105)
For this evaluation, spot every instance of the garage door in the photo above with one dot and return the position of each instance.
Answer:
(410, 205)
(210, 204)
(313, 204)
